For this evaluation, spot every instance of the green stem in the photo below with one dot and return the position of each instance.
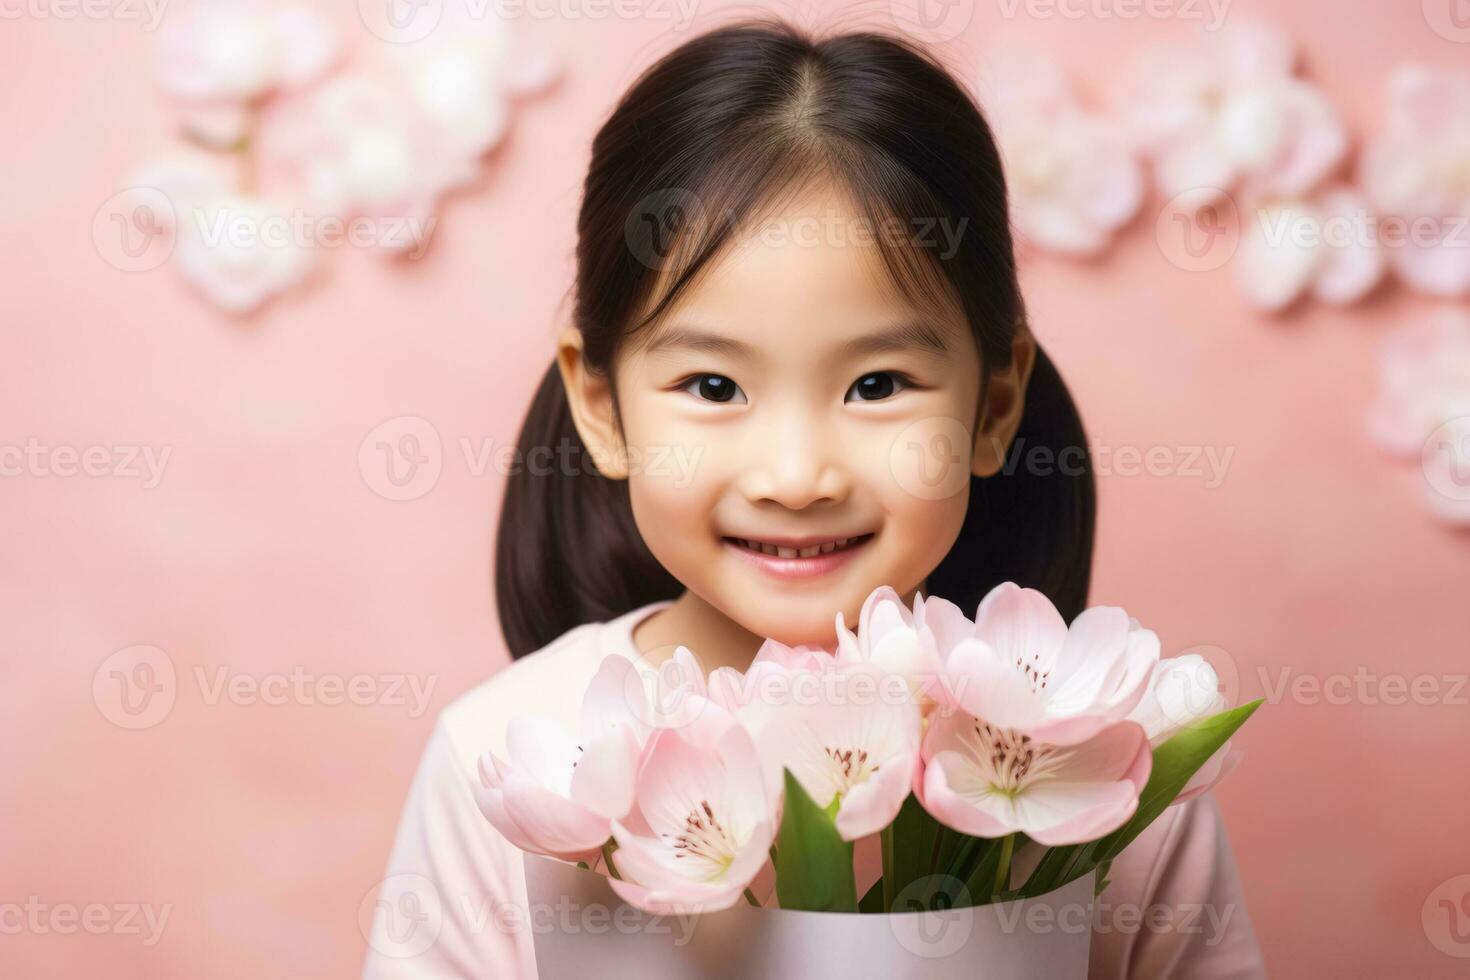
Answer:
(607, 851)
(750, 897)
(885, 837)
(934, 856)
(1003, 867)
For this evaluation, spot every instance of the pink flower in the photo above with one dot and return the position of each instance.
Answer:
(901, 641)
(1415, 171)
(1026, 670)
(703, 823)
(850, 735)
(1072, 181)
(219, 58)
(1326, 244)
(988, 781)
(1230, 114)
(556, 794)
(1038, 742)
(1182, 691)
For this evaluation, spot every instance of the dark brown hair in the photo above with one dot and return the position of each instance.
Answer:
(714, 131)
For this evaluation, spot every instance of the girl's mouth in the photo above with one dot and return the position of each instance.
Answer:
(798, 559)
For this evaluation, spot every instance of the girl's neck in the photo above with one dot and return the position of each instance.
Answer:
(716, 639)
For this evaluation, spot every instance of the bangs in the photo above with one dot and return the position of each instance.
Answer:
(902, 231)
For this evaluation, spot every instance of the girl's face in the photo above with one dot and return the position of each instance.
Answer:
(796, 433)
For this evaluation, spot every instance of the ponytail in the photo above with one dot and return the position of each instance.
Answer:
(567, 551)
(1032, 522)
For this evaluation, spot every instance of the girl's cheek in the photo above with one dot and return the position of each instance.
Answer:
(926, 460)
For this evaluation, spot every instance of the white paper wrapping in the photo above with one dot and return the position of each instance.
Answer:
(581, 929)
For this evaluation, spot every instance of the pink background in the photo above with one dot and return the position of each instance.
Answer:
(264, 550)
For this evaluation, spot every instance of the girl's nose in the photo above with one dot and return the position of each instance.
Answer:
(795, 467)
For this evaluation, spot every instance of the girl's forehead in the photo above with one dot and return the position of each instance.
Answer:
(812, 270)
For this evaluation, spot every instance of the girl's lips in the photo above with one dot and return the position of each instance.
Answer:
(799, 567)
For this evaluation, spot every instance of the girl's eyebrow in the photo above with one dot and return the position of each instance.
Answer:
(902, 336)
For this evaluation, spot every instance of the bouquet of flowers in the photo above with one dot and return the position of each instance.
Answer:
(951, 739)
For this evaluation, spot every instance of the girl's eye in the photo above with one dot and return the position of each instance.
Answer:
(714, 388)
(876, 386)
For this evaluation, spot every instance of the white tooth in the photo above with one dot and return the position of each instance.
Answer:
(841, 542)
(786, 552)
(826, 548)
(769, 549)
(815, 549)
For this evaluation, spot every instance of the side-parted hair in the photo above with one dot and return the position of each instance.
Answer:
(706, 138)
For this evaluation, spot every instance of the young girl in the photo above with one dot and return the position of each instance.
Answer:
(798, 368)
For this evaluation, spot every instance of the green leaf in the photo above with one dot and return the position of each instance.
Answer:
(910, 855)
(1174, 763)
(813, 863)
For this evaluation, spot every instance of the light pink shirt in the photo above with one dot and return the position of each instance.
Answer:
(1174, 907)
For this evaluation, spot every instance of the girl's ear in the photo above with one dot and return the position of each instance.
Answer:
(1005, 402)
(589, 395)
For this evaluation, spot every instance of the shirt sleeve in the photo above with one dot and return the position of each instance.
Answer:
(1174, 907)
(452, 903)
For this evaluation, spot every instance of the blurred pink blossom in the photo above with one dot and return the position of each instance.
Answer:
(1424, 381)
(237, 249)
(1229, 114)
(1072, 182)
(218, 59)
(1326, 244)
(1418, 169)
(1423, 407)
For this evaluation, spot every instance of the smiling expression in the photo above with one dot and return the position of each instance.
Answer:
(804, 399)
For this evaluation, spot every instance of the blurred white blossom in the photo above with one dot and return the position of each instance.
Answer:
(1230, 115)
(1418, 170)
(1072, 182)
(1325, 244)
